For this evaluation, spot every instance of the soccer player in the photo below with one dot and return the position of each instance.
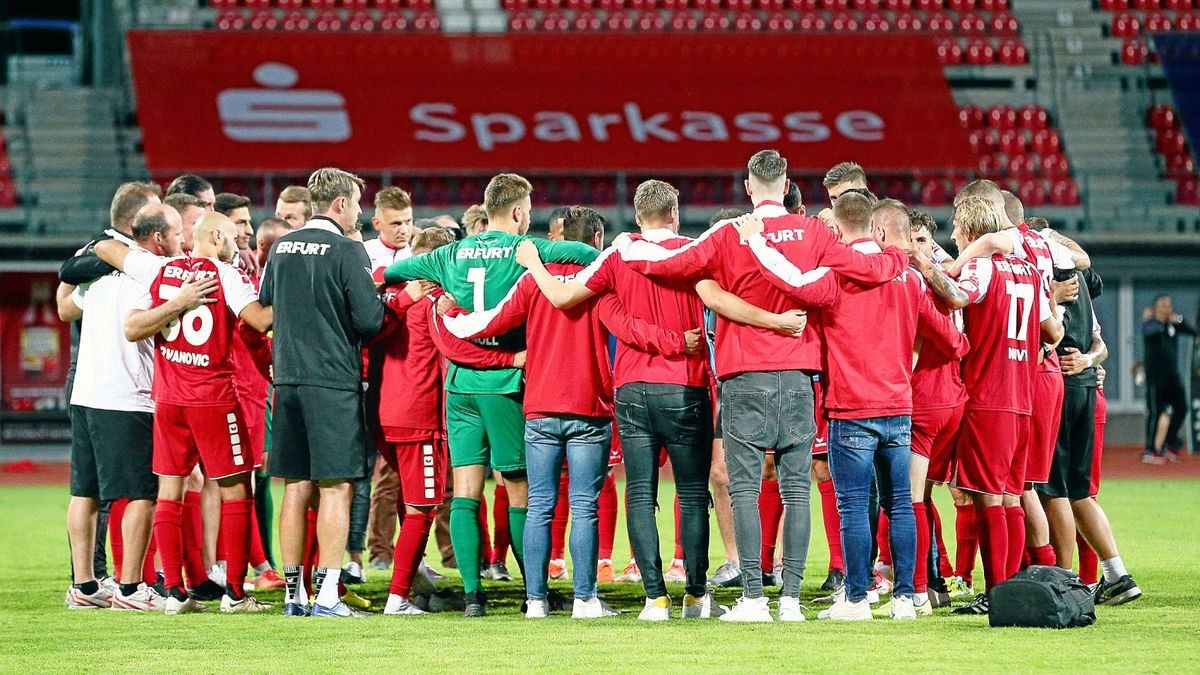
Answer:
(1004, 295)
(237, 207)
(111, 412)
(870, 332)
(393, 220)
(570, 422)
(191, 184)
(294, 206)
(766, 377)
(483, 408)
(190, 209)
(198, 418)
(474, 219)
(325, 304)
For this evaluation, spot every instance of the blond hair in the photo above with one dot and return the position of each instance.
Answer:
(127, 201)
(976, 216)
(431, 238)
(767, 167)
(654, 199)
(327, 184)
(298, 194)
(392, 198)
(852, 211)
(504, 190)
(1013, 208)
(845, 172)
(474, 219)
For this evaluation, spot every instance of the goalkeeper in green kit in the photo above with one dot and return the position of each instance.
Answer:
(483, 407)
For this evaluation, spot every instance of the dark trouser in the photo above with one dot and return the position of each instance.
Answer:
(100, 555)
(360, 508)
(651, 416)
(1071, 468)
(1161, 396)
(762, 411)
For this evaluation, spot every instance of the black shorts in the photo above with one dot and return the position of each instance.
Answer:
(318, 433)
(1071, 469)
(112, 453)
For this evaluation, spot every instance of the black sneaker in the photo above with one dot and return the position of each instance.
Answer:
(1122, 591)
(557, 602)
(834, 581)
(769, 579)
(977, 607)
(476, 604)
(209, 590)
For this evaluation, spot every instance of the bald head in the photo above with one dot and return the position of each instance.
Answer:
(891, 223)
(989, 192)
(215, 237)
(158, 229)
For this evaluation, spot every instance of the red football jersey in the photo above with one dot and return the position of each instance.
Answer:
(937, 379)
(668, 304)
(1003, 325)
(193, 362)
(719, 254)
(1038, 252)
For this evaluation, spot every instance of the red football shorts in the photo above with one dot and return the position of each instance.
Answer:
(991, 452)
(820, 446)
(215, 437)
(1098, 442)
(1044, 423)
(934, 433)
(254, 413)
(421, 466)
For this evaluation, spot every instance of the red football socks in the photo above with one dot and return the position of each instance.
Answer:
(414, 535)
(236, 515)
(168, 530)
(921, 568)
(1015, 515)
(607, 515)
(770, 511)
(966, 533)
(311, 551)
(1042, 555)
(1089, 562)
(883, 539)
(503, 538)
(993, 542)
(678, 536)
(945, 569)
(558, 524)
(258, 556)
(485, 534)
(116, 540)
(833, 525)
(193, 540)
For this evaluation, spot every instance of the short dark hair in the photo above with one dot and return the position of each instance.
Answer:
(127, 201)
(792, 201)
(189, 184)
(182, 200)
(146, 225)
(425, 223)
(724, 214)
(226, 202)
(1037, 223)
(844, 172)
(581, 223)
(558, 212)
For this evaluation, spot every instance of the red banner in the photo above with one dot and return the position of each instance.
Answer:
(290, 102)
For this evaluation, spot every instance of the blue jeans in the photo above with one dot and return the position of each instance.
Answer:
(583, 442)
(856, 447)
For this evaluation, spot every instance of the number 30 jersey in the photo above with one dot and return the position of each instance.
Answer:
(1003, 325)
(480, 271)
(193, 355)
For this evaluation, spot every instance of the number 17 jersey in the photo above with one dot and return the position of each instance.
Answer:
(193, 355)
(1003, 324)
(480, 271)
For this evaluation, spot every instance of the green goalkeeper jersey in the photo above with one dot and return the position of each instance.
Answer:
(479, 272)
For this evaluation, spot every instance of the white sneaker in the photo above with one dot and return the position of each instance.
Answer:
(173, 606)
(656, 609)
(536, 609)
(247, 605)
(790, 609)
(399, 605)
(595, 608)
(704, 607)
(142, 600)
(844, 610)
(832, 598)
(355, 572)
(872, 596)
(216, 574)
(749, 610)
(77, 599)
(903, 610)
(109, 584)
(922, 606)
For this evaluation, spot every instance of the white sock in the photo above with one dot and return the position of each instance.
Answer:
(328, 597)
(921, 598)
(1114, 569)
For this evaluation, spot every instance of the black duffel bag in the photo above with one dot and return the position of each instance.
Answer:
(1042, 596)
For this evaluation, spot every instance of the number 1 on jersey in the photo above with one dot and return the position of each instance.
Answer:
(476, 276)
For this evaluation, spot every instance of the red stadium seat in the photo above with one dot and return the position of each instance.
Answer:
(780, 22)
(980, 52)
(1188, 21)
(747, 21)
(547, 5)
(361, 21)
(1177, 5)
(222, 5)
(1064, 192)
(651, 22)
(1134, 52)
(1055, 165)
(647, 5)
(970, 23)
(555, 22)
(844, 22)
(836, 5)
(1161, 116)
(1031, 192)
(322, 4)
(522, 21)
(993, 5)
(960, 5)
(1001, 117)
(619, 21)
(1170, 142)
(939, 22)
(354, 4)
(876, 23)
(740, 5)
(867, 5)
(426, 21)
(1012, 53)
(771, 5)
(587, 21)
(578, 5)
(811, 22)
(264, 20)
(804, 5)
(934, 193)
(230, 20)
(1157, 22)
(949, 51)
(299, 4)
(1125, 25)
(1033, 117)
(1114, 5)
(1046, 141)
(1188, 192)
(328, 21)
(929, 5)
(1004, 23)
(1022, 165)
(909, 22)
(989, 164)
(254, 4)
(1146, 5)
(898, 5)
(983, 140)
(1180, 165)
(1013, 142)
(685, 21)
(396, 21)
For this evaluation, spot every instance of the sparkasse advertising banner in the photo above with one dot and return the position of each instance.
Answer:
(265, 101)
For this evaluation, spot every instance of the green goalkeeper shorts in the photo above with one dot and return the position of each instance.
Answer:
(479, 425)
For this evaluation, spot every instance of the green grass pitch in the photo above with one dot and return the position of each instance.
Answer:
(1156, 524)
